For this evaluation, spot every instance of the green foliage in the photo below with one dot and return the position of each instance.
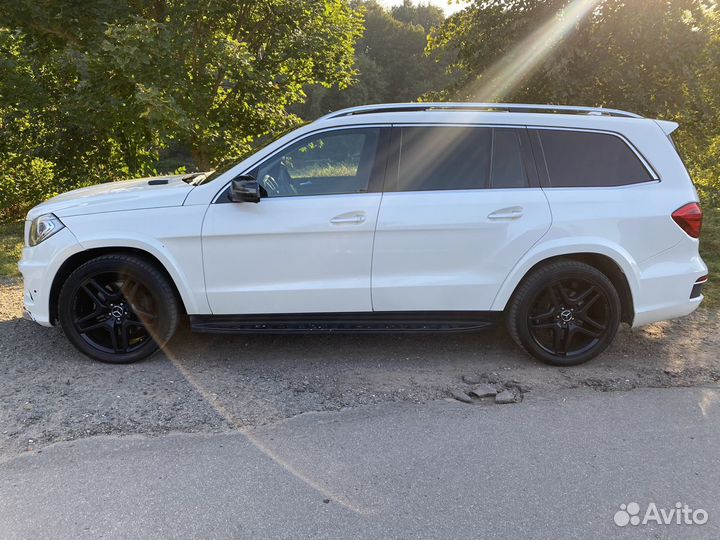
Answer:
(11, 243)
(660, 58)
(324, 170)
(710, 252)
(390, 60)
(24, 181)
(100, 88)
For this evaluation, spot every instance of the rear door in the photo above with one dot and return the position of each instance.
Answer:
(462, 204)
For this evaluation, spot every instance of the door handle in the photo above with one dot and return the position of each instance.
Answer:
(346, 219)
(513, 212)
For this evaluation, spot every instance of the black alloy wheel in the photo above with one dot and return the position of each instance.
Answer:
(564, 313)
(569, 317)
(118, 308)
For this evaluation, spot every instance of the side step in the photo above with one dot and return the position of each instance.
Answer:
(310, 323)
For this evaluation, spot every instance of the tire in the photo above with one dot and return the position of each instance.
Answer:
(118, 309)
(564, 313)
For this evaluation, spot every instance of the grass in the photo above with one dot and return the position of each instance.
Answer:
(323, 170)
(11, 241)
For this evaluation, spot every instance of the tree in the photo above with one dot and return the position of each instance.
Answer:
(425, 15)
(390, 60)
(107, 84)
(655, 57)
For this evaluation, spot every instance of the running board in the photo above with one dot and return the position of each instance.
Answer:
(350, 323)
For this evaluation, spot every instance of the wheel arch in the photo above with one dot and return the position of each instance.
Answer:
(619, 273)
(77, 259)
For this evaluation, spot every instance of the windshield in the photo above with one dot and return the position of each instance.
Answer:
(204, 178)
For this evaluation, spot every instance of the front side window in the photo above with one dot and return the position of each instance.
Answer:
(334, 162)
(584, 159)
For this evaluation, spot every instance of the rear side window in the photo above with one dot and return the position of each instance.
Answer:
(452, 158)
(582, 159)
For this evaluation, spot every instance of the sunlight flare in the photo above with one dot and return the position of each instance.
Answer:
(507, 74)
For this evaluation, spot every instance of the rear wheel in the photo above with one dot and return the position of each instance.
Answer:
(118, 309)
(565, 313)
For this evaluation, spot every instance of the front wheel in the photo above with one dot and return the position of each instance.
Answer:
(564, 313)
(118, 309)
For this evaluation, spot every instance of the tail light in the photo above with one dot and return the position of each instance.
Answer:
(689, 218)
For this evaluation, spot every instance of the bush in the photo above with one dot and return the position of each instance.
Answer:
(25, 182)
(706, 173)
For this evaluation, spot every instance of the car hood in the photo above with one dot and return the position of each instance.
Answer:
(155, 192)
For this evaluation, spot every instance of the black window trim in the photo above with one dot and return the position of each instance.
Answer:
(541, 162)
(529, 161)
(377, 174)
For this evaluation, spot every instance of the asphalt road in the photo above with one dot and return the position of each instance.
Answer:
(551, 467)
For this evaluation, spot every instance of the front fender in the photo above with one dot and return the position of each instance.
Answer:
(567, 246)
(172, 236)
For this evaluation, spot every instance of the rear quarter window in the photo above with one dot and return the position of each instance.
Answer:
(583, 159)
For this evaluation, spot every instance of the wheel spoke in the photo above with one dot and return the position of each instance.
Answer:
(569, 334)
(555, 294)
(563, 293)
(89, 317)
(584, 317)
(587, 332)
(124, 335)
(543, 320)
(558, 340)
(113, 335)
(97, 293)
(540, 326)
(584, 296)
(116, 336)
(591, 298)
(89, 325)
(546, 315)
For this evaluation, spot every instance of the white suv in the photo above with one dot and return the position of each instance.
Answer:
(394, 218)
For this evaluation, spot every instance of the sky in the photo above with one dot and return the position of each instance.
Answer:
(452, 8)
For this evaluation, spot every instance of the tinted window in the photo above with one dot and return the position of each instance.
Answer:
(334, 162)
(440, 158)
(507, 170)
(580, 159)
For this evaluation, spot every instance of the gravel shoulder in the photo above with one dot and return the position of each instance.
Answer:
(204, 383)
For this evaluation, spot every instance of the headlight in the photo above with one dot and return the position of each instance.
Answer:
(43, 227)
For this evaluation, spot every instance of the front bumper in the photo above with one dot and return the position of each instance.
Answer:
(38, 266)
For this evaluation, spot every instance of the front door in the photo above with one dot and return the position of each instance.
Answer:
(307, 246)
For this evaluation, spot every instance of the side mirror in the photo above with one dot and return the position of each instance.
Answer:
(244, 189)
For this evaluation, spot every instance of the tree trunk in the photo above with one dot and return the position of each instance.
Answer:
(200, 157)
